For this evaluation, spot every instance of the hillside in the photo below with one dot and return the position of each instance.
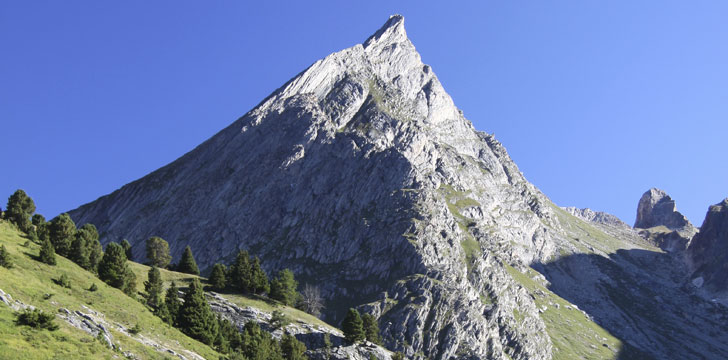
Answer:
(32, 283)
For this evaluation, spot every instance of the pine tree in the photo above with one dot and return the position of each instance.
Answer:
(195, 317)
(153, 288)
(127, 249)
(96, 252)
(283, 288)
(80, 251)
(187, 264)
(47, 252)
(258, 344)
(19, 210)
(158, 252)
(171, 305)
(229, 337)
(353, 327)
(292, 349)
(258, 278)
(114, 270)
(62, 231)
(217, 277)
(371, 328)
(5, 260)
(41, 226)
(240, 272)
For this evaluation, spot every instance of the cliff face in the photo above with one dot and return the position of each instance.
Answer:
(362, 176)
(708, 251)
(660, 222)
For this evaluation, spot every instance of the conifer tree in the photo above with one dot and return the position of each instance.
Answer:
(96, 252)
(171, 305)
(114, 270)
(217, 277)
(353, 327)
(41, 226)
(371, 328)
(187, 264)
(158, 252)
(5, 260)
(258, 278)
(19, 210)
(62, 231)
(240, 272)
(258, 344)
(195, 317)
(127, 249)
(229, 338)
(283, 288)
(47, 252)
(153, 288)
(292, 349)
(80, 250)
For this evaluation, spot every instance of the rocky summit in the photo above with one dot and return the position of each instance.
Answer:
(362, 176)
(661, 223)
(708, 251)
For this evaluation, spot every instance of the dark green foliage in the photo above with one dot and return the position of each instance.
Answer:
(195, 318)
(258, 278)
(135, 330)
(283, 287)
(36, 319)
(127, 249)
(278, 319)
(19, 210)
(47, 252)
(93, 287)
(83, 245)
(153, 288)
(171, 305)
(398, 356)
(217, 277)
(41, 227)
(96, 253)
(371, 328)
(239, 275)
(158, 252)
(114, 270)
(64, 281)
(353, 327)
(5, 260)
(258, 344)
(292, 349)
(62, 231)
(187, 264)
(228, 336)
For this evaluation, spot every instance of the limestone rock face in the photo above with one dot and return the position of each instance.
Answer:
(362, 177)
(708, 251)
(598, 217)
(661, 223)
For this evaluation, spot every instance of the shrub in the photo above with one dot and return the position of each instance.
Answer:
(64, 281)
(5, 260)
(135, 330)
(278, 319)
(36, 319)
(93, 287)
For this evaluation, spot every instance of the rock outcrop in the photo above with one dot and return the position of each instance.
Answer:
(598, 217)
(659, 221)
(708, 251)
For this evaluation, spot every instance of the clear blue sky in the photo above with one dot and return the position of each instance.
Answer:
(595, 101)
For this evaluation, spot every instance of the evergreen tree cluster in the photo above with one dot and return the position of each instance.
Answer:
(358, 328)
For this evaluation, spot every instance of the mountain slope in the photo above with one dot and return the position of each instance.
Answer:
(362, 176)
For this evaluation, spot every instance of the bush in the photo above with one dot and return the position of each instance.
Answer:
(63, 281)
(135, 330)
(36, 319)
(278, 319)
(398, 356)
(93, 287)
(5, 258)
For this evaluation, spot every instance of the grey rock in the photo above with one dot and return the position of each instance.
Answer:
(598, 217)
(708, 251)
(660, 223)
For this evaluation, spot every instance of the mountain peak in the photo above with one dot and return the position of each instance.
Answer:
(391, 32)
(657, 208)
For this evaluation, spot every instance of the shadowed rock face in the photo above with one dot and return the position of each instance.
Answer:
(708, 251)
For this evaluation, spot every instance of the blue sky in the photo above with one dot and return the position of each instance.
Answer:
(595, 101)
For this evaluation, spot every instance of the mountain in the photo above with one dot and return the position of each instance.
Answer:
(362, 176)
(708, 251)
(661, 223)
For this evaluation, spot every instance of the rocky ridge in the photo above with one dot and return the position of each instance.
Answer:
(661, 223)
(362, 176)
(708, 251)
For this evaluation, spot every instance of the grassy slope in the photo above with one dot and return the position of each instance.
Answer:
(30, 279)
(573, 335)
